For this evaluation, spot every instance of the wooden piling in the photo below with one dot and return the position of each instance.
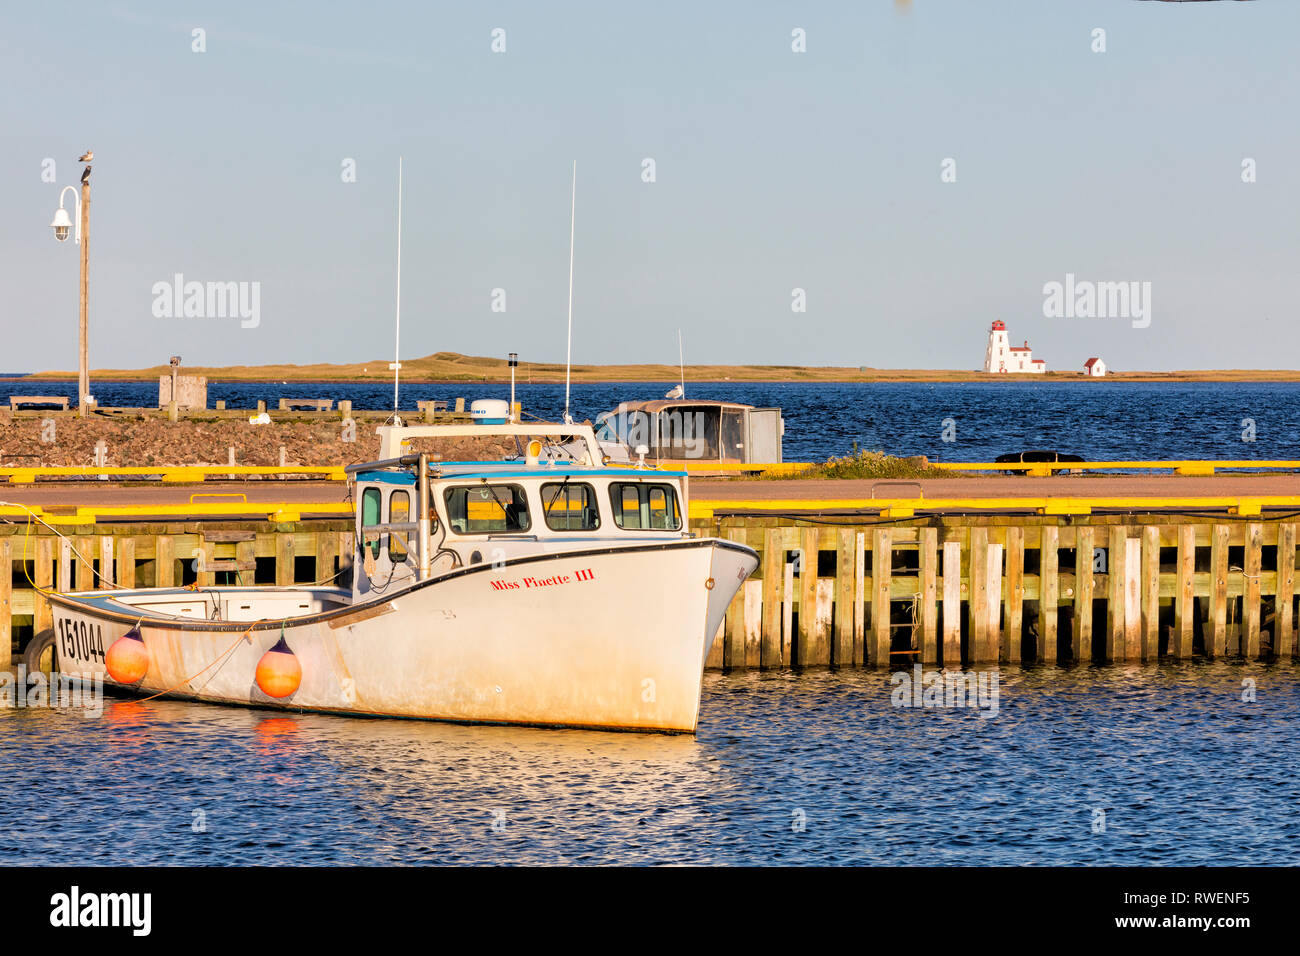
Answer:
(284, 560)
(808, 647)
(164, 562)
(106, 576)
(1184, 599)
(787, 614)
(1081, 633)
(860, 598)
(733, 646)
(6, 603)
(1132, 598)
(85, 564)
(1283, 625)
(842, 648)
(952, 604)
(246, 560)
(881, 578)
(1252, 569)
(978, 605)
(1049, 593)
(1015, 600)
(65, 565)
(1151, 592)
(1116, 572)
(929, 553)
(1216, 644)
(773, 573)
(124, 576)
(753, 623)
(43, 578)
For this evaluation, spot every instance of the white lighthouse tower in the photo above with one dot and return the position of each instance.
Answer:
(997, 356)
(1002, 356)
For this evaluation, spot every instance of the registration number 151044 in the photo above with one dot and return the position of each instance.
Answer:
(81, 641)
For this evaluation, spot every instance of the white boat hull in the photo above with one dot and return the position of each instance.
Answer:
(611, 638)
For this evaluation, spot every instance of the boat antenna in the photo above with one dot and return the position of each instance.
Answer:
(397, 335)
(681, 361)
(568, 355)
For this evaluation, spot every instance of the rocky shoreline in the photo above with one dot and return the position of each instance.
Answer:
(70, 441)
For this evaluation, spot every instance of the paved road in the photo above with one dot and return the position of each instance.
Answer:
(55, 496)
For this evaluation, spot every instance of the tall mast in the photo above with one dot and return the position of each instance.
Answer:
(397, 335)
(568, 355)
(681, 361)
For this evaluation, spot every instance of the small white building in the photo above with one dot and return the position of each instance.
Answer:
(1094, 368)
(1002, 356)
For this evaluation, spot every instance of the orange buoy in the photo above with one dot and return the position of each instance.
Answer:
(278, 672)
(127, 659)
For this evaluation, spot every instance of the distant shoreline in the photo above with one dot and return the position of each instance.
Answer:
(450, 368)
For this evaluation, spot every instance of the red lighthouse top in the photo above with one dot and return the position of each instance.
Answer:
(998, 326)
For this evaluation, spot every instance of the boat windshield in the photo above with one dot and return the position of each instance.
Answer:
(645, 507)
(487, 509)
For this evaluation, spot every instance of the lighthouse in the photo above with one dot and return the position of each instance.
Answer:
(1002, 356)
(995, 359)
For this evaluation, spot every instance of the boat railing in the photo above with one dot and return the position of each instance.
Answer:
(373, 532)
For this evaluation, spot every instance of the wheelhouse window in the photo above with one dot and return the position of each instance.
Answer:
(370, 504)
(487, 509)
(570, 506)
(399, 512)
(645, 507)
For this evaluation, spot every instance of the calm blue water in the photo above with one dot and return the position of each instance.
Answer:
(1099, 420)
(1184, 770)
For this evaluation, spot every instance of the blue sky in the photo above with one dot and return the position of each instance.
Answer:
(775, 170)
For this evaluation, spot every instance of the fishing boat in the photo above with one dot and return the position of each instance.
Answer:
(549, 588)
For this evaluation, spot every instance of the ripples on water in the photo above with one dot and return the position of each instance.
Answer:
(1103, 420)
(1186, 772)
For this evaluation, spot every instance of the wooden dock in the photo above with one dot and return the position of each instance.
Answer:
(167, 554)
(884, 585)
(954, 590)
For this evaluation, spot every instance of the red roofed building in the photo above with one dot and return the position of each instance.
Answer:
(1094, 368)
(1001, 356)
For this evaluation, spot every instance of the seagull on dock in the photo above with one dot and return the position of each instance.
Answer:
(675, 392)
(87, 156)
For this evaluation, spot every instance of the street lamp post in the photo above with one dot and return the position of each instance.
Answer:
(62, 226)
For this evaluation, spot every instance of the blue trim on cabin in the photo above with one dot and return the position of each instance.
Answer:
(387, 477)
(544, 471)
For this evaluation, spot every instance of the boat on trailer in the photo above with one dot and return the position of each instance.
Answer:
(552, 588)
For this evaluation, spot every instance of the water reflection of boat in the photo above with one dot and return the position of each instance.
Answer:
(552, 589)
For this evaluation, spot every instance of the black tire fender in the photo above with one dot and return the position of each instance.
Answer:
(36, 648)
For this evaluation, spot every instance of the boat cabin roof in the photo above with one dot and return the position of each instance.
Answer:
(486, 470)
(662, 404)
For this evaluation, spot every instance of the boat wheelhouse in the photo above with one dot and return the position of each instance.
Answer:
(676, 431)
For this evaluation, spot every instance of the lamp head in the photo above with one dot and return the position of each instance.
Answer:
(62, 224)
